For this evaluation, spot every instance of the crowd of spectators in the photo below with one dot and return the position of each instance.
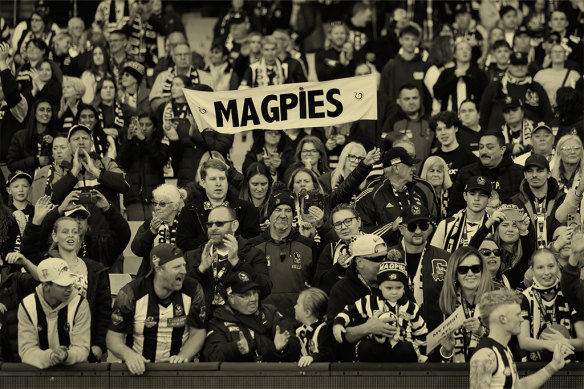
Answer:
(340, 243)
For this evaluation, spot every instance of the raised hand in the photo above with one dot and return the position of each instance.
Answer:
(372, 157)
(242, 345)
(42, 207)
(281, 339)
(206, 257)
(232, 246)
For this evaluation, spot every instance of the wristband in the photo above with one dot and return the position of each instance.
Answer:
(444, 356)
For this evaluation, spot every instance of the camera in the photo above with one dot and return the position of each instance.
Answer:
(86, 197)
(312, 198)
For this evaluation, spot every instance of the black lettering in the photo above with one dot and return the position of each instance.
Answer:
(313, 104)
(287, 102)
(331, 99)
(302, 104)
(230, 111)
(249, 112)
(275, 114)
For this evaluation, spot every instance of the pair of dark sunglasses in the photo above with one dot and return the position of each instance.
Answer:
(488, 252)
(412, 227)
(476, 269)
(217, 223)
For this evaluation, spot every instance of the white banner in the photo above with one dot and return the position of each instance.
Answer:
(279, 107)
(452, 323)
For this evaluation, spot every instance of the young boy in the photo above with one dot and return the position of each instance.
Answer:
(388, 322)
(18, 186)
(310, 309)
(500, 56)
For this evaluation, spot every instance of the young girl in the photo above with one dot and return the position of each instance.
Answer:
(18, 186)
(315, 343)
(405, 338)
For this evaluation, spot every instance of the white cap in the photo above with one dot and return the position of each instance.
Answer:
(57, 271)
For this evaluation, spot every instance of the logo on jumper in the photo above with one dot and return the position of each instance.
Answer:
(416, 210)
(149, 322)
(297, 258)
(481, 181)
(117, 317)
(438, 269)
(243, 277)
(178, 310)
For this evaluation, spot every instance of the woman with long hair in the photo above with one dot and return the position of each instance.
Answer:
(132, 89)
(92, 280)
(439, 58)
(104, 144)
(548, 318)
(435, 171)
(310, 154)
(349, 159)
(268, 147)
(37, 50)
(30, 147)
(567, 162)
(99, 67)
(44, 84)
(557, 75)
(257, 186)
(491, 254)
(73, 90)
(467, 278)
(143, 156)
(109, 109)
(160, 227)
(336, 59)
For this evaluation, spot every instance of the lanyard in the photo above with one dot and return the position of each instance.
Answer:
(549, 320)
(468, 313)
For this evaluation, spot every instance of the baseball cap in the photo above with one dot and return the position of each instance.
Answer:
(164, 253)
(239, 282)
(78, 209)
(480, 183)
(537, 160)
(397, 155)
(75, 128)
(414, 212)
(18, 174)
(55, 270)
(461, 8)
(392, 271)
(542, 126)
(511, 102)
(522, 30)
(505, 9)
(518, 58)
(370, 246)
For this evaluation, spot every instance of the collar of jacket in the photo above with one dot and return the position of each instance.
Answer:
(552, 192)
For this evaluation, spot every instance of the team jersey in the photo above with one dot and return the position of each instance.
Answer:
(505, 374)
(157, 328)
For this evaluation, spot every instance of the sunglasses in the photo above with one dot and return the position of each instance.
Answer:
(412, 227)
(488, 252)
(476, 269)
(217, 223)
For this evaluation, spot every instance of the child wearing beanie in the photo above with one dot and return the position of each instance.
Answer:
(387, 324)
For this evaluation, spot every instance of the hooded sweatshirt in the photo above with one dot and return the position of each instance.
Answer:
(42, 328)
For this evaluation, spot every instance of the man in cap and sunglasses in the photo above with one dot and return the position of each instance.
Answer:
(425, 264)
(459, 229)
(381, 205)
(223, 254)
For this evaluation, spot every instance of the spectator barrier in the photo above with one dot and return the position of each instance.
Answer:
(211, 375)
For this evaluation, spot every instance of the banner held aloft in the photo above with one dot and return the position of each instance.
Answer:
(280, 107)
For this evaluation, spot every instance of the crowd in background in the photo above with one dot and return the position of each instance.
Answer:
(340, 243)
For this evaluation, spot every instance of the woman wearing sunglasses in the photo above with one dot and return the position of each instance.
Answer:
(467, 278)
(168, 201)
(335, 257)
(548, 318)
(491, 254)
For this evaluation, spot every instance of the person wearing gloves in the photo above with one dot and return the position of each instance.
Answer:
(387, 324)
(42, 342)
(245, 330)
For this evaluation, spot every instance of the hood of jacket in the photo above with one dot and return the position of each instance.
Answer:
(552, 192)
(46, 307)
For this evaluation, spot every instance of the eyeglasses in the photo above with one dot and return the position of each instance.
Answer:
(476, 269)
(355, 158)
(347, 223)
(552, 40)
(488, 252)
(309, 152)
(570, 149)
(217, 223)
(412, 227)
(161, 204)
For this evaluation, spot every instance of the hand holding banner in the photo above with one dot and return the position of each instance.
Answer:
(279, 107)
(452, 323)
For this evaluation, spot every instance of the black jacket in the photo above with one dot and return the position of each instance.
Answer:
(446, 87)
(192, 232)
(259, 330)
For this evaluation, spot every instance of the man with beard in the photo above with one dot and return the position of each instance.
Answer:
(492, 365)
(540, 196)
(425, 264)
(287, 251)
(244, 330)
(379, 206)
(494, 164)
(161, 315)
(191, 229)
(212, 264)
